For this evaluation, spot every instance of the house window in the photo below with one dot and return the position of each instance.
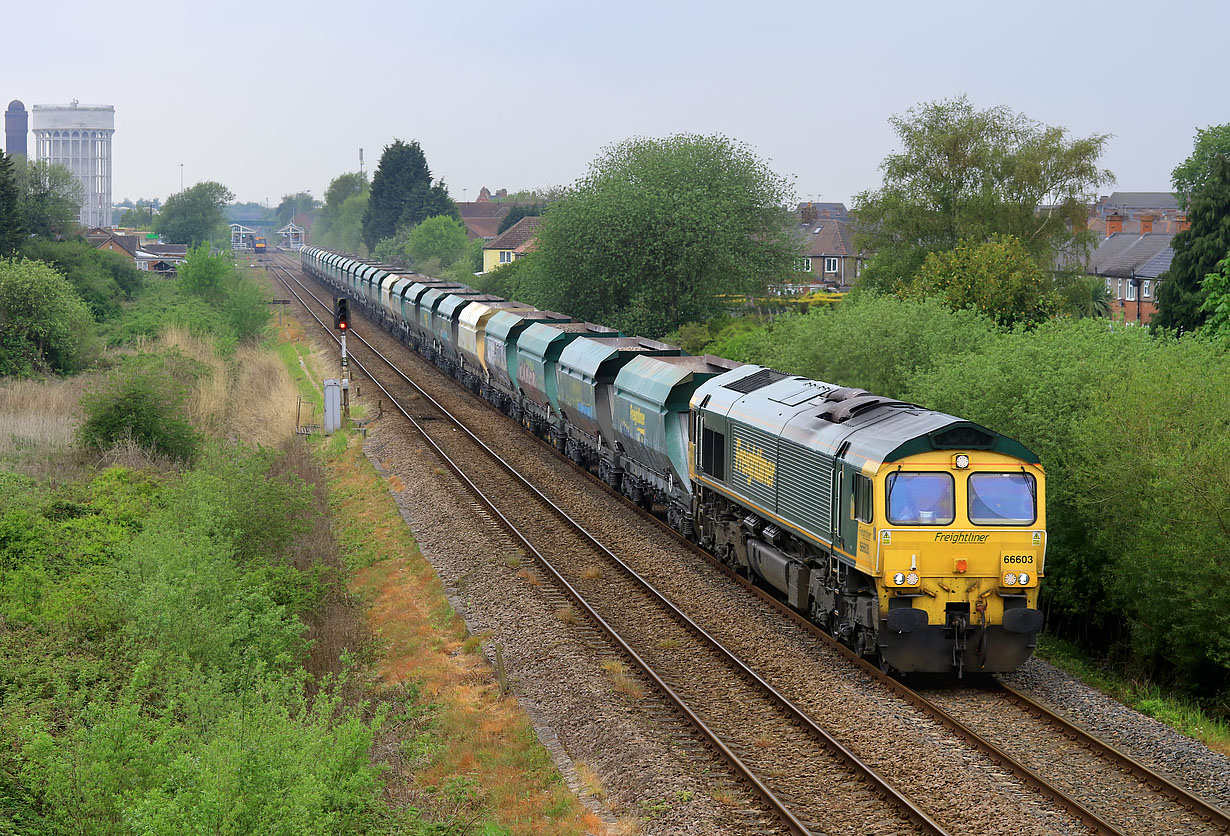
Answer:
(506, 256)
(830, 265)
(1131, 297)
(805, 265)
(1110, 288)
(1148, 289)
(1119, 293)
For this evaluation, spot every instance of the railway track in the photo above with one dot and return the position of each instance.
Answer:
(801, 773)
(1114, 806)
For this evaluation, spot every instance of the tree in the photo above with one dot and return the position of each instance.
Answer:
(339, 227)
(12, 231)
(1086, 296)
(967, 175)
(1192, 173)
(139, 217)
(1197, 250)
(293, 204)
(195, 215)
(1216, 288)
(205, 273)
(402, 193)
(515, 214)
(102, 279)
(44, 325)
(49, 198)
(998, 279)
(440, 237)
(659, 230)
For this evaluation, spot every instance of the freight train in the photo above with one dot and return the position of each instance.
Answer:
(916, 538)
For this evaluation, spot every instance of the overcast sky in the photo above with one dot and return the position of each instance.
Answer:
(273, 98)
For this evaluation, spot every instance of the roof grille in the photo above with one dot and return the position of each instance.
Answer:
(757, 380)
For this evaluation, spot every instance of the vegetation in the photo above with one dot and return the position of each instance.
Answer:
(195, 215)
(340, 226)
(293, 204)
(1191, 175)
(144, 402)
(138, 217)
(402, 194)
(214, 278)
(104, 280)
(49, 198)
(1197, 251)
(12, 231)
(1216, 287)
(656, 233)
(998, 279)
(515, 214)
(44, 325)
(966, 175)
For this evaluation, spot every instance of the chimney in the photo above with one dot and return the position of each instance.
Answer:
(1114, 224)
(1146, 224)
(809, 214)
(1184, 223)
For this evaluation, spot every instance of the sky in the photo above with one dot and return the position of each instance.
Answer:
(275, 98)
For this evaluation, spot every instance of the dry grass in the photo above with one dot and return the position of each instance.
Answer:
(470, 734)
(668, 644)
(253, 398)
(590, 781)
(529, 577)
(723, 797)
(36, 415)
(763, 743)
(568, 615)
(591, 573)
(622, 680)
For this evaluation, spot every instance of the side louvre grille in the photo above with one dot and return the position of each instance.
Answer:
(807, 488)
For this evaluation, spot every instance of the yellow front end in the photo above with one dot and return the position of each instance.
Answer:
(960, 547)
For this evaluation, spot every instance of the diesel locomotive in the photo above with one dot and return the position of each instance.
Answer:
(916, 538)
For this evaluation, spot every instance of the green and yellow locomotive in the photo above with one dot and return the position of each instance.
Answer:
(915, 537)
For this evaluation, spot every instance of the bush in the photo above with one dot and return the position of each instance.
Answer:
(143, 401)
(44, 325)
(103, 279)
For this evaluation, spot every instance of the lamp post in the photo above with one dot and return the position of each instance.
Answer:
(181, 177)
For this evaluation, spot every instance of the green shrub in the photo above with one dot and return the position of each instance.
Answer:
(143, 401)
(103, 279)
(44, 325)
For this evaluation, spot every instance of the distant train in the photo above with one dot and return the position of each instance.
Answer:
(259, 245)
(915, 537)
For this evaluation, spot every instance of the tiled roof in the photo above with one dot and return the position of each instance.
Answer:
(1157, 265)
(1121, 255)
(483, 209)
(1142, 200)
(517, 235)
(485, 228)
(834, 238)
(166, 249)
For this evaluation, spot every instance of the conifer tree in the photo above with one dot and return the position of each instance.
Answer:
(1197, 251)
(402, 193)
(12, 229)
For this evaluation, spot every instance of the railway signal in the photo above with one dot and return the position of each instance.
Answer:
(341, 314)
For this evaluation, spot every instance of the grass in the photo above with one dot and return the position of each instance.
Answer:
(591, 573)
(478, 759)
(1181, 714)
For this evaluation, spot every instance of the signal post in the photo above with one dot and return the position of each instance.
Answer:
(341, 321)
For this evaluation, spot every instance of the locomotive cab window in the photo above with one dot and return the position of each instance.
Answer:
(862, 498)
(1003, 499)
(920, 498)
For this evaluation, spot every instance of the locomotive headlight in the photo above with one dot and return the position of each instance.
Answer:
(911, 578)
(1010, 579)
(899, 578)
(1023, 578)
(962, 461)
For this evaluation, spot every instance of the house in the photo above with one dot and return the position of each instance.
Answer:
(106, 239)
(486, 228)
(1131, 264)
(514, 243)
(828, 254)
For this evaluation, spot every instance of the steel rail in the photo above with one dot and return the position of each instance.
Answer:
(1191, 802)
(881, 785)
